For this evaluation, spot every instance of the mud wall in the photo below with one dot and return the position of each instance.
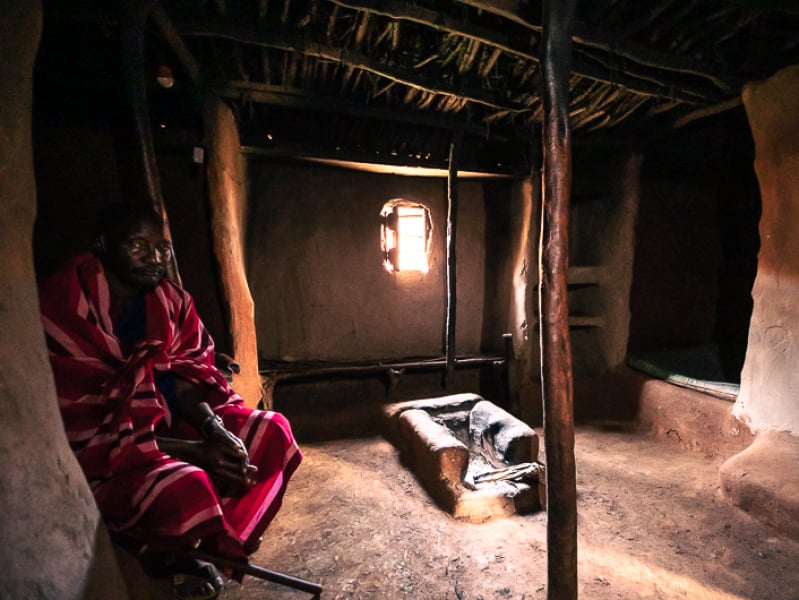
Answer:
(512, 213)
(54, 544)
(316, 268)
(770, 379)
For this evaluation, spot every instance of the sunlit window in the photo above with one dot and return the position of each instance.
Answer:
(405, 236)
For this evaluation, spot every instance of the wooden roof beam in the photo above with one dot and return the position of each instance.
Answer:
(281, 96)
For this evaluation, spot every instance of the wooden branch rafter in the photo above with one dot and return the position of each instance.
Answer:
(293, 44)
(299, 46)
(619, 54)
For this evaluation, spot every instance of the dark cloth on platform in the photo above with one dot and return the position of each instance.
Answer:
(113, 383)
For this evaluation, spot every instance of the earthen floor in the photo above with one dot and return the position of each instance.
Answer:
(652, 524)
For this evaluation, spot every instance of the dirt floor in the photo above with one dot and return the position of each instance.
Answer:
(652, 524)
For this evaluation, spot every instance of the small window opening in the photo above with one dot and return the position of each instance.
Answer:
(405, 236)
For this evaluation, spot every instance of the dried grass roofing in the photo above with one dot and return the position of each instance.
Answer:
(356, 77)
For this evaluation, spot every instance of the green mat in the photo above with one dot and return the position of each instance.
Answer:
(694, 368)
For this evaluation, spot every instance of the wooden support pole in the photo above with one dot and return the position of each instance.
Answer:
(452, 225)
(556, 365)
(133, 16)
(227, 195)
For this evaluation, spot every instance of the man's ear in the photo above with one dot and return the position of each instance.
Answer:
(99, 244)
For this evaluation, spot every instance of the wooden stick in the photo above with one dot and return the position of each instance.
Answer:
(485, 69)
(249, 568)
(708, 111)
(278, 370)
(556, 366)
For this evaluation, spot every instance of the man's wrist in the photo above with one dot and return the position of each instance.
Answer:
(208, 425)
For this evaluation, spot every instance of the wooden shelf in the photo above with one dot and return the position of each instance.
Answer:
(584, 275)
(585, 321)
(580, 321)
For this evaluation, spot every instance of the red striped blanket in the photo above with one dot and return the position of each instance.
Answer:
(113, 411)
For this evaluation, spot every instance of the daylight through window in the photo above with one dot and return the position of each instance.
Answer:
(405, 236)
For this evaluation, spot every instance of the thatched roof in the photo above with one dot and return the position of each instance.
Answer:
(390, 80)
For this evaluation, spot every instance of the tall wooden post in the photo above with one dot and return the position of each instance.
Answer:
(452, 222)
(227, 194)
(133, 17)
(556, 366)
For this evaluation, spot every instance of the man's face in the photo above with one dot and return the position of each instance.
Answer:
(140, 258)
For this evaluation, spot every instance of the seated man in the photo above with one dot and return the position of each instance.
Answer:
(171, 454)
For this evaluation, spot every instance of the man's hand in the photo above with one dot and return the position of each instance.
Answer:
(227, 365)
(226, 457)
(221, 454)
